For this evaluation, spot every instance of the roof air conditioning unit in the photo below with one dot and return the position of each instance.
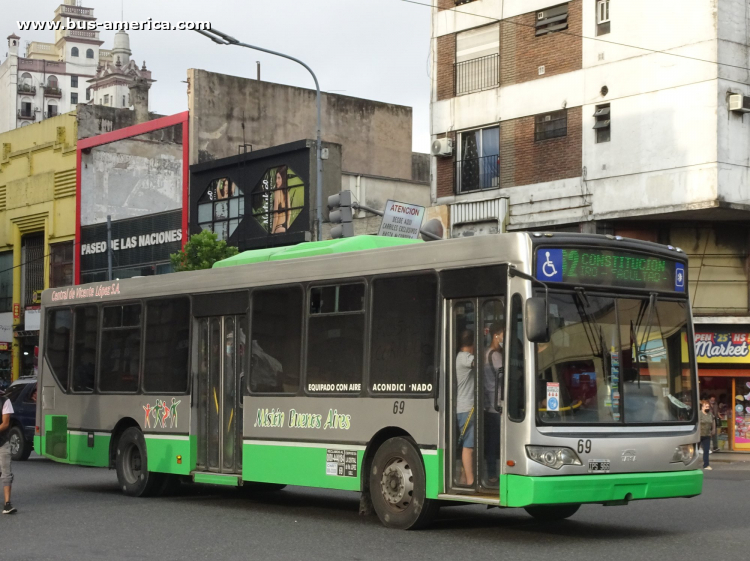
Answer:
(740, 103)
(442, 147)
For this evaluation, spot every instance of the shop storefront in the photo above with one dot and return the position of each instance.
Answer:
(723, 355)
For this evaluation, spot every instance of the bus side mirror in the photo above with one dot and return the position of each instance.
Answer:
(537, 320)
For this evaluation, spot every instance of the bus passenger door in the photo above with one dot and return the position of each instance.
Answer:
(475, 366)
(221, 355)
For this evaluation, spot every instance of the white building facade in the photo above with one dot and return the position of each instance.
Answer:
(52, 78)
(604, 116)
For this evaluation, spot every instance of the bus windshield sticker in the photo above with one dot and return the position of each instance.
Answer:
(341, 463)
(607, 267)
(553, 396)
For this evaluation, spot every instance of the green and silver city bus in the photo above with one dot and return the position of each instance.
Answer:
(541, 371)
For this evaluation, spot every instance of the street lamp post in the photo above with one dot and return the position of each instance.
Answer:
(223, 39)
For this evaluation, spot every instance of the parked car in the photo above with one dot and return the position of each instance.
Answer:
(22, 395)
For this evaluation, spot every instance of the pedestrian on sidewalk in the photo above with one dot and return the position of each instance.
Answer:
(714, 406)
(708, 429)
(6, 475)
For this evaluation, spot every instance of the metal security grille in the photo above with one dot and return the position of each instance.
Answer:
(477, 74)
(33, 267)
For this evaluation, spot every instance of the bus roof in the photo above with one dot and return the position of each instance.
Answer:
(311, 249)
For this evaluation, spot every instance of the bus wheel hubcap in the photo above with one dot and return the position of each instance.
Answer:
(397, 483)
(132, 464)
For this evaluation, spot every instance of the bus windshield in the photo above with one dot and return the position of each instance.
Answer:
(614, 361)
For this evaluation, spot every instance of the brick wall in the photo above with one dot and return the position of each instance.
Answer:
(444, 171)
(524, 161)
(446, 58)
(522, 53)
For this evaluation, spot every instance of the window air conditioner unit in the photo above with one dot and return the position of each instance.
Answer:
(442, 147)
(740, 103)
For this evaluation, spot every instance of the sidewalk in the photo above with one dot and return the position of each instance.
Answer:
(730, 458)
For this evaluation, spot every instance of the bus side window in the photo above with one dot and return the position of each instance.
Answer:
(59, 324)
(335, 339)
(276, 340)
(165, 368)
(84, 349)
(120, 360)
(404, 320)
(516, 402)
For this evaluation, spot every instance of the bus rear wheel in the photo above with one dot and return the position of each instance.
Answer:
(132, 466)
(552, 513)
(398, 486)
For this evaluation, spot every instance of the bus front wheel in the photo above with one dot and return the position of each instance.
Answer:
(132, 466)
(552, 513)
(398, 487)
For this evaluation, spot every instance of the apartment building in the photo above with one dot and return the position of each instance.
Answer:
(610, 116)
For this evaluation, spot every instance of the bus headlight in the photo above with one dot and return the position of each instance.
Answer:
(684, 454)
(553, 457)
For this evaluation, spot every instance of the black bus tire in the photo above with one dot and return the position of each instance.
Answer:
(131, 464)
(20, 448)
(552, 513)
(398, 486)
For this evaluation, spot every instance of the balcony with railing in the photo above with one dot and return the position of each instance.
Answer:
(476, 174)
(26, 89)
(477, 74)
(50, 91)
(27, 115)
(75, 11)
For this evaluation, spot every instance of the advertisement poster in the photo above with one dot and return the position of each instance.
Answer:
(720, 348)
(278, 200)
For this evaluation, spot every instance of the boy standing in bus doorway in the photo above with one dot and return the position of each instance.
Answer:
(6, 475)
(465, 375)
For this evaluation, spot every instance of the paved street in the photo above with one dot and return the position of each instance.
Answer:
(76, 513)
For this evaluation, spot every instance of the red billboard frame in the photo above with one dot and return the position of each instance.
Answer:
(121, 134)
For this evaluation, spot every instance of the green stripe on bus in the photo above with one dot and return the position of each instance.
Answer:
(217, 479)
(524, 491)
(294, 465)
(79, 451)
(164, 454)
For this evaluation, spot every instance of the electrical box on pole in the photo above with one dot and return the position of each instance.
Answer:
(340, 213)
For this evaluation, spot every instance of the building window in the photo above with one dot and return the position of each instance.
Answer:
(123, 101)
(106, 99)
(26, 109)
(73, 98)
(551, 125)
(74, 81)
(90, 53)
(478, 165)
(52, 82)
(221, 208)
(552, 20)
(602, 125)
(602, 17)
(51, 109)
(477, 59)
(74, 51)
(61, 264)
(32, 271)
(88, 94)
(6, 281)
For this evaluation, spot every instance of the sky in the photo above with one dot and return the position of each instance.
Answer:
(373, 49)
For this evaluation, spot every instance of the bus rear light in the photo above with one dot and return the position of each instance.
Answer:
(510, 463)
(37, 430)
(553, 457)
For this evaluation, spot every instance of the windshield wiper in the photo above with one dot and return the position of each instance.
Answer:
(582, 303)
(651, 305)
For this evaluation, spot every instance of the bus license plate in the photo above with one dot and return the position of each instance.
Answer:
(599, 465)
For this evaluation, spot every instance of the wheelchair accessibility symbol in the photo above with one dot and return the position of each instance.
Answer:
(679, 279)
(549, 265)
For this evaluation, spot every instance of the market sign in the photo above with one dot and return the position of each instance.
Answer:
(401, 220)
(720, 348)
(606, 267)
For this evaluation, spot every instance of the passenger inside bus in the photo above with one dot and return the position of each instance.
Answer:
(465, 376)
(493, 389)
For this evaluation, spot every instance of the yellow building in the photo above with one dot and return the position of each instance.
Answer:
(37, 231)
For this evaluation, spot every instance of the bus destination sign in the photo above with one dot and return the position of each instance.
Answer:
(605, 267)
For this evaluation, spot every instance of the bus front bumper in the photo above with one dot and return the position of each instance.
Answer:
(617, 488)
